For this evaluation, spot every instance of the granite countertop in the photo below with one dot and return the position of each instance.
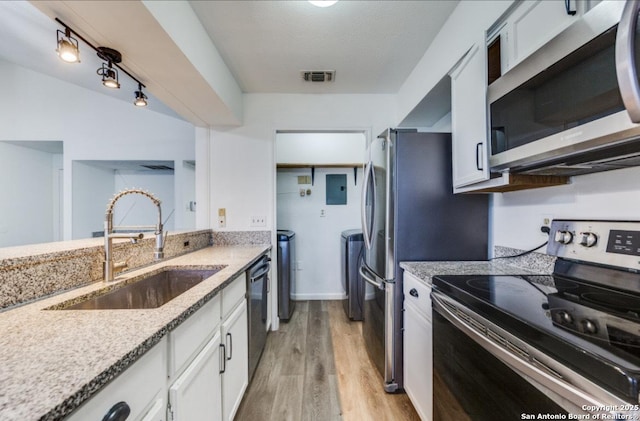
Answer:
(53, 360)
(426, 270)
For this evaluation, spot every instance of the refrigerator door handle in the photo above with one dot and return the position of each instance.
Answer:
(366, 224)
(370, 280)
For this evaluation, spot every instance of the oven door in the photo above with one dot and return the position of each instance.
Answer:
(479, 373)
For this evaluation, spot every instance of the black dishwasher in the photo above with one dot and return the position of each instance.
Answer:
(257, 292)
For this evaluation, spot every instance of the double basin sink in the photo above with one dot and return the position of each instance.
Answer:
(151, 291)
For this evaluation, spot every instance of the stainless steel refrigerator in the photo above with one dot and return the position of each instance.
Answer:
(409, 213)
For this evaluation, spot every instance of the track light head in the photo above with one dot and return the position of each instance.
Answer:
(141, 98)
(109, 76)
(67, 50)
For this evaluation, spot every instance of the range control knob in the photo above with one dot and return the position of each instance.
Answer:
(563, 237)
(562, 317)
(587, 326)
(588, 239)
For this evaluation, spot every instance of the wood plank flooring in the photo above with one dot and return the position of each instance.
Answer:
(315, 368)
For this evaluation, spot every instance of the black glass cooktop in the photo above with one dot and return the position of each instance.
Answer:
(591, 328)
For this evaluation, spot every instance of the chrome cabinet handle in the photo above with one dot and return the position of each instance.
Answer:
(230, 346)
(414, 292)
(223, 357)
(625, 60)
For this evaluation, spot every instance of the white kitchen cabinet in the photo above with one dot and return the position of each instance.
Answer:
(533, 23)
(186, 340)
(418, 346)
(158, 410)
(469, 117)
(139, 388)
(197, 393)
(235, 377)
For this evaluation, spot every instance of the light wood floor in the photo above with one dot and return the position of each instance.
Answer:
(315, 368)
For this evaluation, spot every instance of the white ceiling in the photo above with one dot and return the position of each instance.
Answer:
(372, 45)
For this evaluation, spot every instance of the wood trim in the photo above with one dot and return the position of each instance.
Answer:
(516, 182)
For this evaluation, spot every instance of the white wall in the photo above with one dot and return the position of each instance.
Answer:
(26, 206)
(317, 237)
(241, 160)
(517, 216)
(92, 188)
(138, 210)
(91, 125)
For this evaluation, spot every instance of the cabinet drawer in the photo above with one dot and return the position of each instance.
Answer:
(137, 386)
(188, 338)
(233, 293)
(417, 293)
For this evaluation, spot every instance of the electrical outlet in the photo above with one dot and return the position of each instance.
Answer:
(222, 218)
(323, 213)
(545, 221)
(258, 221)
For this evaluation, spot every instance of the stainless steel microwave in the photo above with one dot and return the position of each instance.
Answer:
(572, 107)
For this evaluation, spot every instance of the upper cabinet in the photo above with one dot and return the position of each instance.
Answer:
(531, 24)
(524, 28)
(469, 117)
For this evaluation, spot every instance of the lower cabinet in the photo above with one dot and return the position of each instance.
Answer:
(418, 346)
(235, 376)
(134, 393)
(197, 393)
(200, 371)
(212, 384)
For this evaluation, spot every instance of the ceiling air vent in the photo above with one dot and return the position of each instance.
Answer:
(318, 75)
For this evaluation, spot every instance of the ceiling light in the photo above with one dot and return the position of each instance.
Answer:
(68, 51)
(67, 47)
(109, 76)
(323, 3)
(141, 98)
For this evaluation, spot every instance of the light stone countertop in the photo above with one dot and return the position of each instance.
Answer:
(426, 270)
(53, 360)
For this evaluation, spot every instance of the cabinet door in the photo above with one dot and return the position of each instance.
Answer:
(236, 375)
(196, 394)
(157, 412)
(418, 359)
(526, 33)
(469, 117)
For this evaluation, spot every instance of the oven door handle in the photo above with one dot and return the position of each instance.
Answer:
(517, 363)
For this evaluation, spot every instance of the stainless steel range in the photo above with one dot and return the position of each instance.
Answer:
(567, 345)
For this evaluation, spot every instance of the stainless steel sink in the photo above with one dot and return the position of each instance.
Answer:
(150, 292)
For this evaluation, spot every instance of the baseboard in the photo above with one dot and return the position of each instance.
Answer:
(319, 296)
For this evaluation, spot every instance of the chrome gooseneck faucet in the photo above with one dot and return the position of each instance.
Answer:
(110, 267)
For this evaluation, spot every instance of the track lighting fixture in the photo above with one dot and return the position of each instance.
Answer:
(69, 52)
(141, 98)
(108, 73)
(67, 47)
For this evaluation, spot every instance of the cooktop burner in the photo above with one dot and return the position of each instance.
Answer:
(593, 339)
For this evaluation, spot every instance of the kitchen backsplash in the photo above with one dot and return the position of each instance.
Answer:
(45, 272)
(537, 262)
